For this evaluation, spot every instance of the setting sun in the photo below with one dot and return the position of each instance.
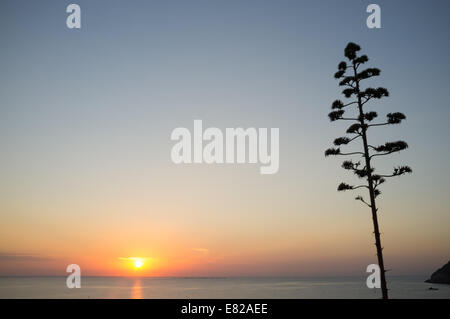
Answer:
(138, 263)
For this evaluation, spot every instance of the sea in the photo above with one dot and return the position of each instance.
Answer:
(401, 287)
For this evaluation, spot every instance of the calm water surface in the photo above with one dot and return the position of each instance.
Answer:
(122, 287)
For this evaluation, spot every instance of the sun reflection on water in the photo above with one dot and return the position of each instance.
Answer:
(136, 291)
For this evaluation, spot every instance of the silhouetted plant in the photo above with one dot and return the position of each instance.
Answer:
(358, 130)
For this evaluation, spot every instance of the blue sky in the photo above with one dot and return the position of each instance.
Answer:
(86, 116)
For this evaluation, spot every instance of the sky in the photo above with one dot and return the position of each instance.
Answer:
(86, 115)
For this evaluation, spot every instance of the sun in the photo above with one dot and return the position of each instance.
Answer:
(138, 263)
